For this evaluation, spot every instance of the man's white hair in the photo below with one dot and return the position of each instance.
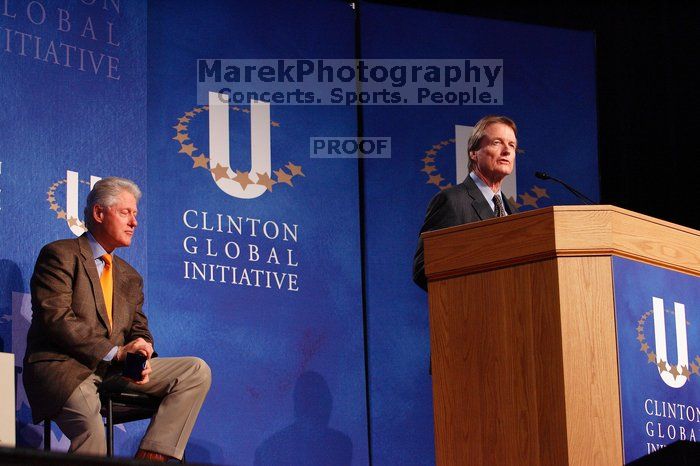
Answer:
(105, 193)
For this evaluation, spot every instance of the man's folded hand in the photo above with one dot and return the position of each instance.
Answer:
(136, 346)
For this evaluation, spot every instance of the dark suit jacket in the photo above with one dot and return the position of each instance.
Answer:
(69, 334)
(457, 205)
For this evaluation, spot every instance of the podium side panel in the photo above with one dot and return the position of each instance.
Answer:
(590, 361)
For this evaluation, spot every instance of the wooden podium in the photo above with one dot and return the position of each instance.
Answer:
(522, 331)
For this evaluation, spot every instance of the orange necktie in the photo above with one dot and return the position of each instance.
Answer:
(107, 285)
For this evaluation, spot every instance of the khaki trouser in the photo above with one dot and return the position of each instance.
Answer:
(182, 382)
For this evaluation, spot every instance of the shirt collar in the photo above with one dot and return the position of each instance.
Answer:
(97, 249)
(485, 190)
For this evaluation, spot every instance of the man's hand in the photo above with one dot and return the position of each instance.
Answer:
(144, 374)
(136, 346)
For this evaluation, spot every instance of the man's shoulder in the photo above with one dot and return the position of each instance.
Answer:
(456, 190)
(61, 254)
(122, 263)
(453, 193)
(124, 266)
(63, 246)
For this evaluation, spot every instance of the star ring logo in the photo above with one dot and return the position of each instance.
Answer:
(244, 184)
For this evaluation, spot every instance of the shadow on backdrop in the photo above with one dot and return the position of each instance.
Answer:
(308, 441)
(10, 281)
(202, 451)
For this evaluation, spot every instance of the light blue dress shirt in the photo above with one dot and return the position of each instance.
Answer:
(487, 192)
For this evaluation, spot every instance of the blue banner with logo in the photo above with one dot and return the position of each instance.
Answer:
(252, 195)
(73, 90)
(254, 246)
(547, 77)
(659, 356)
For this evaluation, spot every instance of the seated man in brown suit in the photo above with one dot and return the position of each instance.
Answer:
(87, 316)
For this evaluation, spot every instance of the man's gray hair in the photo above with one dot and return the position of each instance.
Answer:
(105, 193)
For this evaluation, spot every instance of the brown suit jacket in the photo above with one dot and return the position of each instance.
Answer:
(69, 334)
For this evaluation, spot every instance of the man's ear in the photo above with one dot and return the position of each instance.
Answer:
(98, 213)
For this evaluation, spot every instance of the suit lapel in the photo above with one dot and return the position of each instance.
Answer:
(91, 271)
(479, 203)
(119, 315)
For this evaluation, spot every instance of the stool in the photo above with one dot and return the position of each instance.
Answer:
(118, 407)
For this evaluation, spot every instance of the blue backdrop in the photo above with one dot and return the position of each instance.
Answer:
(72, 100)
(288, 356)
(549, 90)
(262, 343)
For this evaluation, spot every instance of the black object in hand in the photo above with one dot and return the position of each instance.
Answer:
(134, 365)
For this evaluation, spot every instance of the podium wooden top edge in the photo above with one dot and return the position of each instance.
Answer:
(561, 209)
(560, 231)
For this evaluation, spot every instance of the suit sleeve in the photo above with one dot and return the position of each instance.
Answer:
(139, 326)
(52, 298)
(440, 214)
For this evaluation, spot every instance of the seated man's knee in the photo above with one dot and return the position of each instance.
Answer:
(201, 371)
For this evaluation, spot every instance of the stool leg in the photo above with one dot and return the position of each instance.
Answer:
(47, 434)
(110, 429)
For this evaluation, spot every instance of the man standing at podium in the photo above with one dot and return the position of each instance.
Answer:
(492, 148)
(86, 317)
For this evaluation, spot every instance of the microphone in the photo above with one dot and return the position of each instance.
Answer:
(575, 192)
